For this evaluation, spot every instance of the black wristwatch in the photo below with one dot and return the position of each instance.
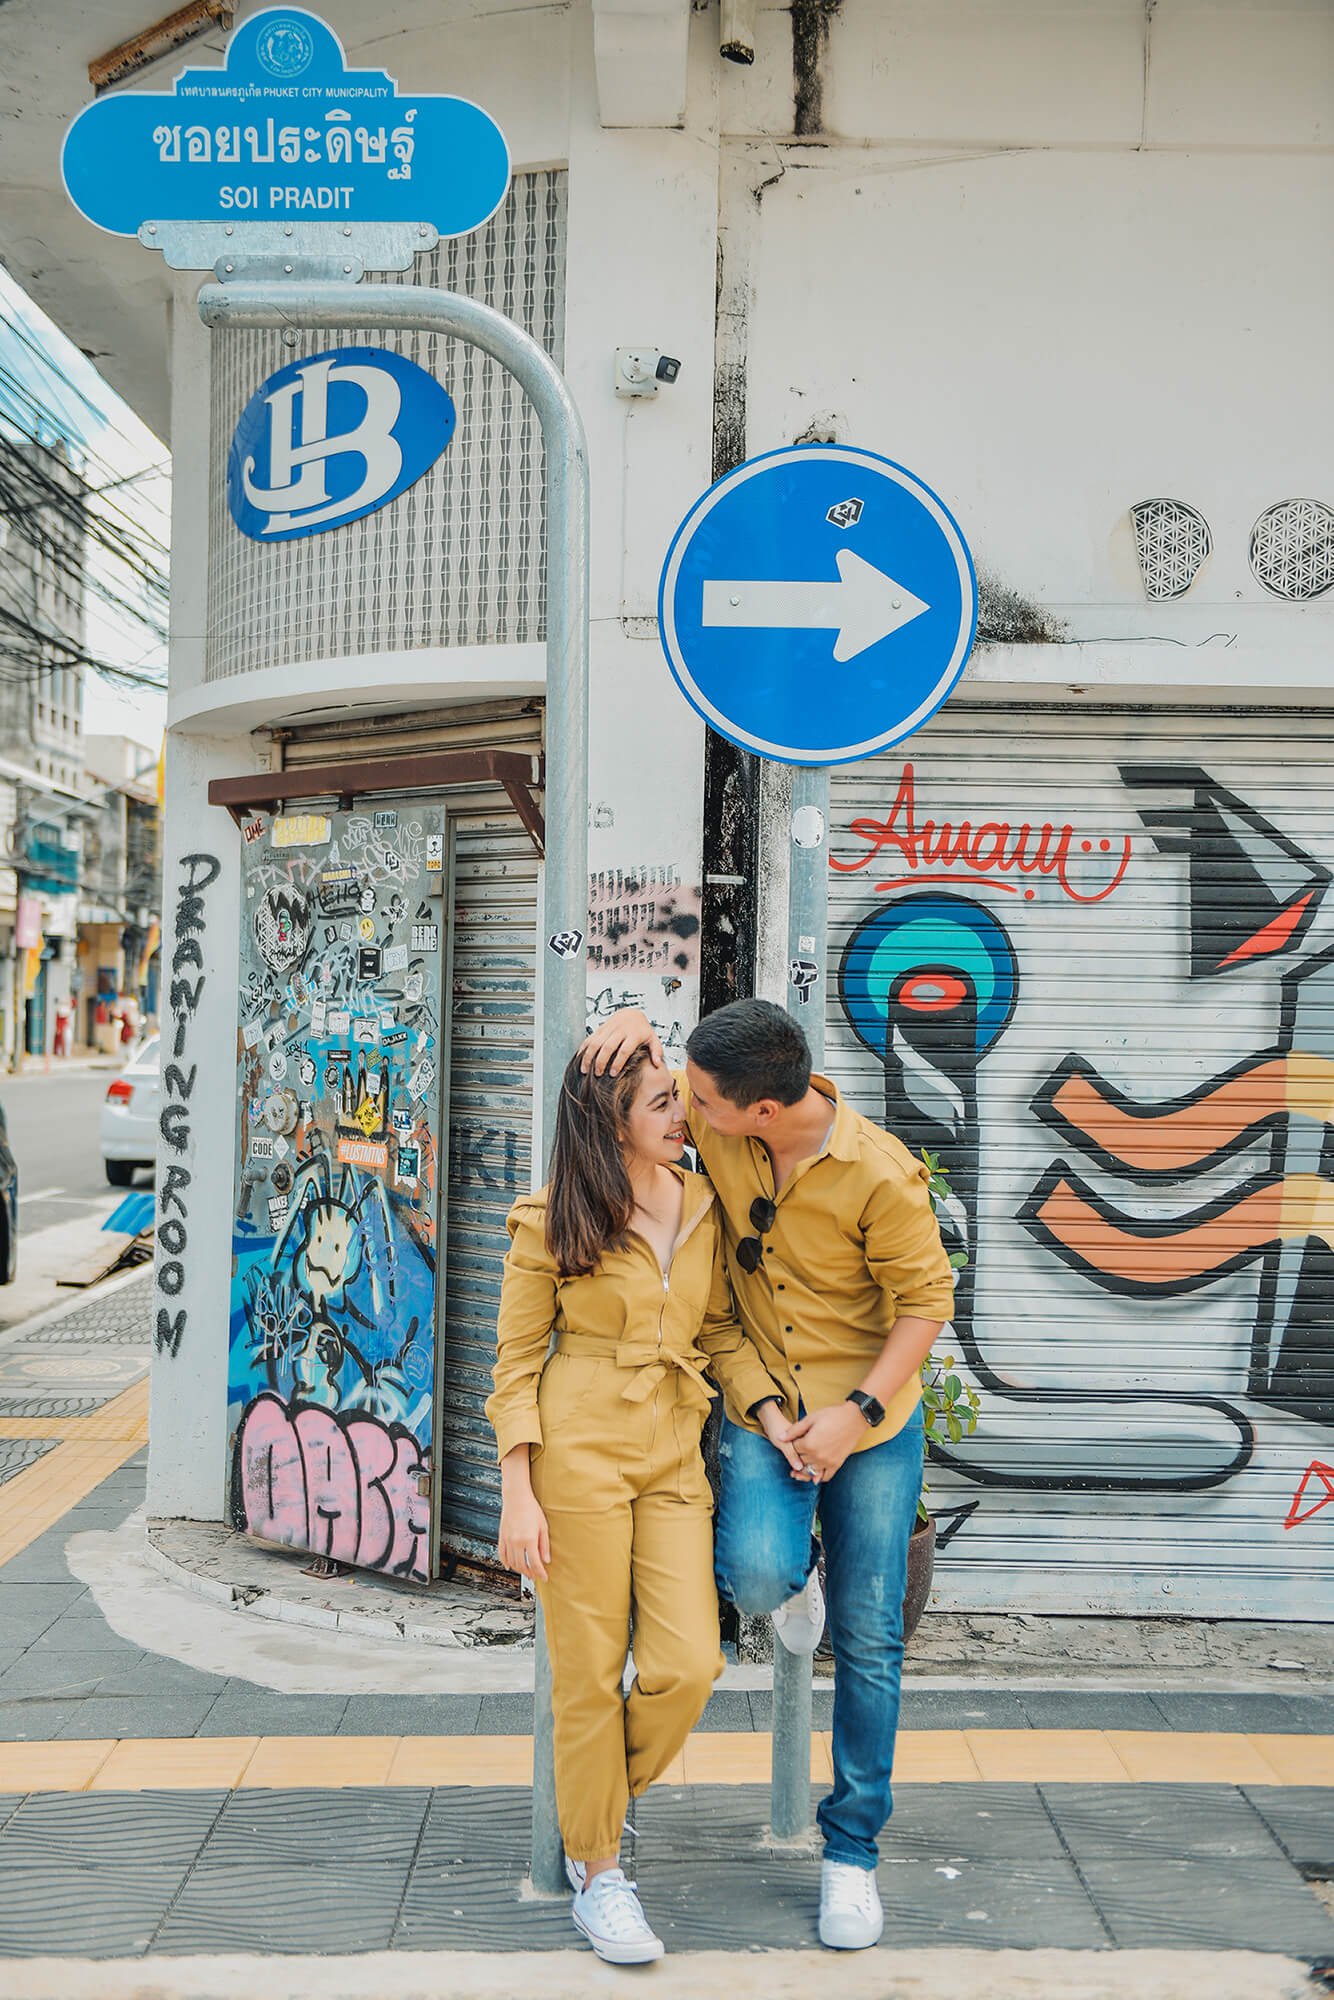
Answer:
(871, 1409)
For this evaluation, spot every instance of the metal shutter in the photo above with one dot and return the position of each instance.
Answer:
(492, 943)
(1088, 957)
(493, 977)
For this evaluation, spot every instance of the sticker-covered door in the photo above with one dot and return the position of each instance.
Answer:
(332, 1369)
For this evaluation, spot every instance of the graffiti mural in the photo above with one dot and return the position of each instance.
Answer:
(1129, 1074)
(335, 1240)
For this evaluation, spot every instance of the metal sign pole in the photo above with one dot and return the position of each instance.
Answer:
(808, 917)
(328, 303)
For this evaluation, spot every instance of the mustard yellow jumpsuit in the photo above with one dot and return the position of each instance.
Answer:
(613, 1421)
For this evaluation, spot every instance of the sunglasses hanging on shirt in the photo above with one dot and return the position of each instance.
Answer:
(750, 1249)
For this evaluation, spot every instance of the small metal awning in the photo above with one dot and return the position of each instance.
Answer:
(519, 775)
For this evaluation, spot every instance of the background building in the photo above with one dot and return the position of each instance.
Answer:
(120, 892)
(1064, 264)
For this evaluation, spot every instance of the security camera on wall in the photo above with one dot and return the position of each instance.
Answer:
(640, 371)
(736, 34)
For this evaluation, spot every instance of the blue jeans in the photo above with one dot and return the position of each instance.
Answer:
(763, 1554)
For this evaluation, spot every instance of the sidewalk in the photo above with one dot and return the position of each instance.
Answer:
(50, 1064)
(182, 1780)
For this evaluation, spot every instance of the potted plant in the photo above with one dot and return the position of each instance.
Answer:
(949, 1407)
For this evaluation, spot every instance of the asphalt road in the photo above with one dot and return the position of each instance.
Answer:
(63, 1193)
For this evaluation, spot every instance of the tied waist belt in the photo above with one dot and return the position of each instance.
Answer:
(650, 1363)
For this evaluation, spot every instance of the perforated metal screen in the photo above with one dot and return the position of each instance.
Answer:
(456, 560)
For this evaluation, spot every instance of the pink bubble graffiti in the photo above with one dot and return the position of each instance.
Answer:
(343, 1486)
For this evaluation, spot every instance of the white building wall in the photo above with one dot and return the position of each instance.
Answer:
(1053, 266)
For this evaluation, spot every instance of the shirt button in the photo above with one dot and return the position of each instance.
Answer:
(796, 1365)
(787, 1329)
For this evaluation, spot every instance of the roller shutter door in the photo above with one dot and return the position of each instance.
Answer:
(1088, 958)
(492, 975)
(488, 1093)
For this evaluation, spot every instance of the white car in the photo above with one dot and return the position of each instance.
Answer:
(130, 1113)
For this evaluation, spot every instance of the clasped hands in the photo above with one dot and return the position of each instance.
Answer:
(815, 1446)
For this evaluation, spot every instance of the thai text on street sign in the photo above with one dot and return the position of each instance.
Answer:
(284, 132)
(817, 604)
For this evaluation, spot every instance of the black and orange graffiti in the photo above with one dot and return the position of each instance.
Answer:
(1253, 894)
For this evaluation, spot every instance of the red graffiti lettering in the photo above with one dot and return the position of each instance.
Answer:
(345, 1486)
(1302, 1509)
(994, 849)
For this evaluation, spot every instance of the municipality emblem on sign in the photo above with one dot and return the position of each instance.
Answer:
(329, 439)
(284, 47)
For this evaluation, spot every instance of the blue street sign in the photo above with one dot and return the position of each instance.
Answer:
(817, 604)
(284, 132)
(333, 437)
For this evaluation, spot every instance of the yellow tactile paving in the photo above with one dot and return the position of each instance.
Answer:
(1298, 1760)
(175, 1764)
(1187, 1758)
(461, 1760)
(36, 1498)
(925, 1756)
(327, 1761)
(42, 1494)
(1045, 1756)
(38, 1427)
(52, 1767)
(125, 1416)
(740, 1757)
(933, 1757)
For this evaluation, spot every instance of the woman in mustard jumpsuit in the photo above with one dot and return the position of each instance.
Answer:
(606, 1506)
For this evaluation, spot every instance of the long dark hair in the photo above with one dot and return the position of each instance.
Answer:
(589, 1197)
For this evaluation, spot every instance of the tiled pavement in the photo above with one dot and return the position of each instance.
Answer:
(65, 1674)
(270, 1866)
(1076, 1866)
(1097, 1866)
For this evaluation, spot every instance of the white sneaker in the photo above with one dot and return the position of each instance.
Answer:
(608, 1913)
(800, 1622)
(850, 1914)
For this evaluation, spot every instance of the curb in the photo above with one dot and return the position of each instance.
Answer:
(258, 1602)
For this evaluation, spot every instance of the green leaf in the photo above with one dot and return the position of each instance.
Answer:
(958, 1259)
(953, 1388)
(954, 1426)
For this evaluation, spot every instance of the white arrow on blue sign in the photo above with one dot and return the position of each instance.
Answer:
(817, 604)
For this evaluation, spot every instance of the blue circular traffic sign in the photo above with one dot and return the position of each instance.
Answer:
(817, 604)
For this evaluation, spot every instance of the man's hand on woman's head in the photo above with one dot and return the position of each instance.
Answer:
(610, 1046)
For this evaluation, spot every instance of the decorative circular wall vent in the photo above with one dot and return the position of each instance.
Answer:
(1292, 548)
(1171, 541)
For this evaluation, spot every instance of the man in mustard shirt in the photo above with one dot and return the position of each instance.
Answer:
(842, 1283)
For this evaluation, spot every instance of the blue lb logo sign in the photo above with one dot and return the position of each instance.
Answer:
(329, 439)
